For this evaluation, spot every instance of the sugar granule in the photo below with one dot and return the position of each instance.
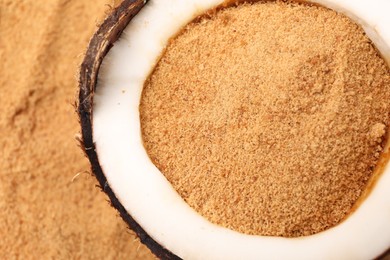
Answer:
(268, 118)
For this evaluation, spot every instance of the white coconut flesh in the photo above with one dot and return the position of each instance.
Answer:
(151, 200)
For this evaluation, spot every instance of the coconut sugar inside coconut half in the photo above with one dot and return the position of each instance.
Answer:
(268, 118)
(243, 129)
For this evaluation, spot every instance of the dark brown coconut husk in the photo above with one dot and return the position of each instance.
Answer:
(102, 41)
(100, 44)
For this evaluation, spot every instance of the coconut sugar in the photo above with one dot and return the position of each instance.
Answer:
(49, 206)
(268, 118)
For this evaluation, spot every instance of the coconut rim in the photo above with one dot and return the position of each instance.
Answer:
(102, 41)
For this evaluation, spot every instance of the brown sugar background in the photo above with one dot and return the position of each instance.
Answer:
(268, 119)
(46, 210)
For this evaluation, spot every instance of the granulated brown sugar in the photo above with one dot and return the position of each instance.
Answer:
(268, 118)
(47, 209)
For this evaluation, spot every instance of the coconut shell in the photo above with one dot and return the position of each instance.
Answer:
(100, 44)
(102, 41)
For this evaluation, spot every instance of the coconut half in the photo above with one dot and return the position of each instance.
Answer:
(111, 82)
